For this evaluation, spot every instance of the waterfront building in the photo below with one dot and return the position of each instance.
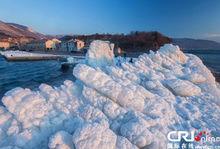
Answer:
(36, 45)
(5, 44)
(72, 45)
(51, 44)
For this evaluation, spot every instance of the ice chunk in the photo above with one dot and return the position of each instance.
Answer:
(173, 52)
(100, 54)
(61, 140)
(183, 87)
(104, 84)
(196, 78)
(136, 130)
(123, 143)
(94, 136)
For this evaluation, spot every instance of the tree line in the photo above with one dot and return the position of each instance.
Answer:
(132, 42)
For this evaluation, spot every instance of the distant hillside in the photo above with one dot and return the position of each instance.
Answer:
(198, 44)
(12, 30)
(133, 42)
(214, 38)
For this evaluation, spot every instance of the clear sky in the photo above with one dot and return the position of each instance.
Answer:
(175, 18)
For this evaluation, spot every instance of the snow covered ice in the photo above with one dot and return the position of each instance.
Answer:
(110, 106)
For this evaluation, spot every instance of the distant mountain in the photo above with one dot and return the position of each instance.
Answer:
(198, 44)
(12, 30)
(214, 38)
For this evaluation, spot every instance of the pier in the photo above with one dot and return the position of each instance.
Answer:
(29, 56)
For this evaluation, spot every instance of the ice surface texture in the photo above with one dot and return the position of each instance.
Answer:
(110, 106)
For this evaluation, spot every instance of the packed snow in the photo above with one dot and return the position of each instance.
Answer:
(111, 106)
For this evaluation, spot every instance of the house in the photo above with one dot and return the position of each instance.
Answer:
(72, 45)
(5, 44)
(35, 45)
(52, 44)
(79, 44)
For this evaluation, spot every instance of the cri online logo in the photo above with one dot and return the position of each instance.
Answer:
(200, 135)
(203, 136)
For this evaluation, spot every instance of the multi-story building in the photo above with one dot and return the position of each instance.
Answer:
(35, 45)
(72, 45)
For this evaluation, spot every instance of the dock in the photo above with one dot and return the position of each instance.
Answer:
(29, 56)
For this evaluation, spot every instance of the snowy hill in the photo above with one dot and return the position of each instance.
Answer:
(16, 31)
(115, 104)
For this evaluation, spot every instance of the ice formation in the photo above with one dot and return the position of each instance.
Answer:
(100, 54)
(130, 106)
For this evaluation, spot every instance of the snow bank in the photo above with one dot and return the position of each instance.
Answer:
(126, 106)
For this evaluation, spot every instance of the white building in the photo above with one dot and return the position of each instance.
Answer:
(72, 45)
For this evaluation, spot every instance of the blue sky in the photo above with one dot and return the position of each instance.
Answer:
(175, 18)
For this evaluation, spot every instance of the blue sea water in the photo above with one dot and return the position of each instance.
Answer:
(31, 74)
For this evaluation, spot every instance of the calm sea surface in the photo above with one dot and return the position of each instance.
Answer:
(31, 74)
